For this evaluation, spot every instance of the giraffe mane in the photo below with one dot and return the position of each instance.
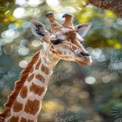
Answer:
(18, 85)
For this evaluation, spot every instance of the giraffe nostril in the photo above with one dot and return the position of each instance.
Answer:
(84, 54)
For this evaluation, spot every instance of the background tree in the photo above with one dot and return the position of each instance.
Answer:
(114, 5)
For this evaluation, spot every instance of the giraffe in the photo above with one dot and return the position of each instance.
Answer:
(61, 42)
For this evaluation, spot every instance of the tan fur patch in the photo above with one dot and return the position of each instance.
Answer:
(59, 52)
(45, 69)
(23, 92)
(14, 119)
(40, 77)
(38, 64)
(36, 89)
(17, 106)
(31, 70)
(74, 47)
(32, 107)
(30, 77)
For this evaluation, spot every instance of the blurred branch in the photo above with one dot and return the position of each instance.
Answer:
(114, 5)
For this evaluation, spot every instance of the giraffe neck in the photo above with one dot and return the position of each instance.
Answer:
(27, 105)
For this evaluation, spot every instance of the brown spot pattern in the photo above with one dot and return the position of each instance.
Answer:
(45, 69)
(17, 106)
(14, 119)
(40, 77)
(23, 92)
(9, 114)
(30, 77)
(71, 35)
(32, 107)
(30, 120)
(23, 120)
(38, 64)
(36, 89)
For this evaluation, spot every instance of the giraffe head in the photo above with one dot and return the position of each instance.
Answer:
(64, 40)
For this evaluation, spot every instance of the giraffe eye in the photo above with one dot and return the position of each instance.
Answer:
(38, 26)
(38, 30)
(56, 41)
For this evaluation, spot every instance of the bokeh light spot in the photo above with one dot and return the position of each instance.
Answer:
(23, 51)
(23, 64)
(34, 3)
(90, 80)
(9, 33)
(26, 24)
(52, 3)
(36, 43)
(70, 9)
(12, 26)
(117, 46)
(21, 2)
(19, 12)
(24, 42)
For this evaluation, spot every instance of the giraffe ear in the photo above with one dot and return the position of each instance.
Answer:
(38, 29)
(82, 29)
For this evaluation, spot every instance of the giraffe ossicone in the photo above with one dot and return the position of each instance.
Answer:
(62, 41)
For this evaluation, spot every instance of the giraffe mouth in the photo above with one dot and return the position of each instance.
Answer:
(81, 63)
(89, 62)
(84, 58)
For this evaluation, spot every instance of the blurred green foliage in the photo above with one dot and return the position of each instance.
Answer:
(76, 93)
